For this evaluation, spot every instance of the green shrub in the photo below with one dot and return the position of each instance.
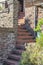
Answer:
(33, 55)
(39, 41)
(34, 52)
(26, 56)
(39, 24)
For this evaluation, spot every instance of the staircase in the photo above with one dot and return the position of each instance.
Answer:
(15, 56)
(23, 37)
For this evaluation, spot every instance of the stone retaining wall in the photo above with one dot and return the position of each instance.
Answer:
(29, 12)
(8, 30)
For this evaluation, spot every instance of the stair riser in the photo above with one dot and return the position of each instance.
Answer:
(17, 52)
(5, 63)
(21, 48)
(25, 37)
(24, 32)
(14, 58)
(25, 41)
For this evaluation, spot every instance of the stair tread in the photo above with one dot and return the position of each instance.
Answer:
(19, 32)
(25, 41)
(14, 57)
(10, 62)
(21, 47)
(24, 37)
(17, 51)
(24, 34)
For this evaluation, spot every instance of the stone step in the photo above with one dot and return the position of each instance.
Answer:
(19, 43)
(21, 12)
(25, 41)
(17, 52)
(21, 26)
(25, 37)
(10, 62)
(21, 47)
(14, 57)
(24, 32)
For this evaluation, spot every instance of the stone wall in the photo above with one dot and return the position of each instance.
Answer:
(29, 12)
(8, 30)
(6, 15)
(29, 3)
(40, 13)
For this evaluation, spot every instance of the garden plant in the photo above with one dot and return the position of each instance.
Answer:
(34, 52)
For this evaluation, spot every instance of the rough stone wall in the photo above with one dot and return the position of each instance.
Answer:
(29, 3)
(6, 19)
(40, 13)
(29, 12)
(8, 38)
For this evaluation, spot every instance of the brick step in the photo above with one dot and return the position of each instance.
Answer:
(17, 52)
(25, 37)
(14, 57)
(21, 47)
(25, 41)
(21, 15)
(10, 62)
(21, 12)
(21, 26)
(24, 33)
(22, 30)
(19, 43)
(20, 34)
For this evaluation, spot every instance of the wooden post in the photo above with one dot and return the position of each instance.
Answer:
(35, 18)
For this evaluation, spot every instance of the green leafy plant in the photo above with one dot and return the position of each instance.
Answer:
(39, 24)
(39, 40)
(33, 55)
(34, 52)
(26, 56)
